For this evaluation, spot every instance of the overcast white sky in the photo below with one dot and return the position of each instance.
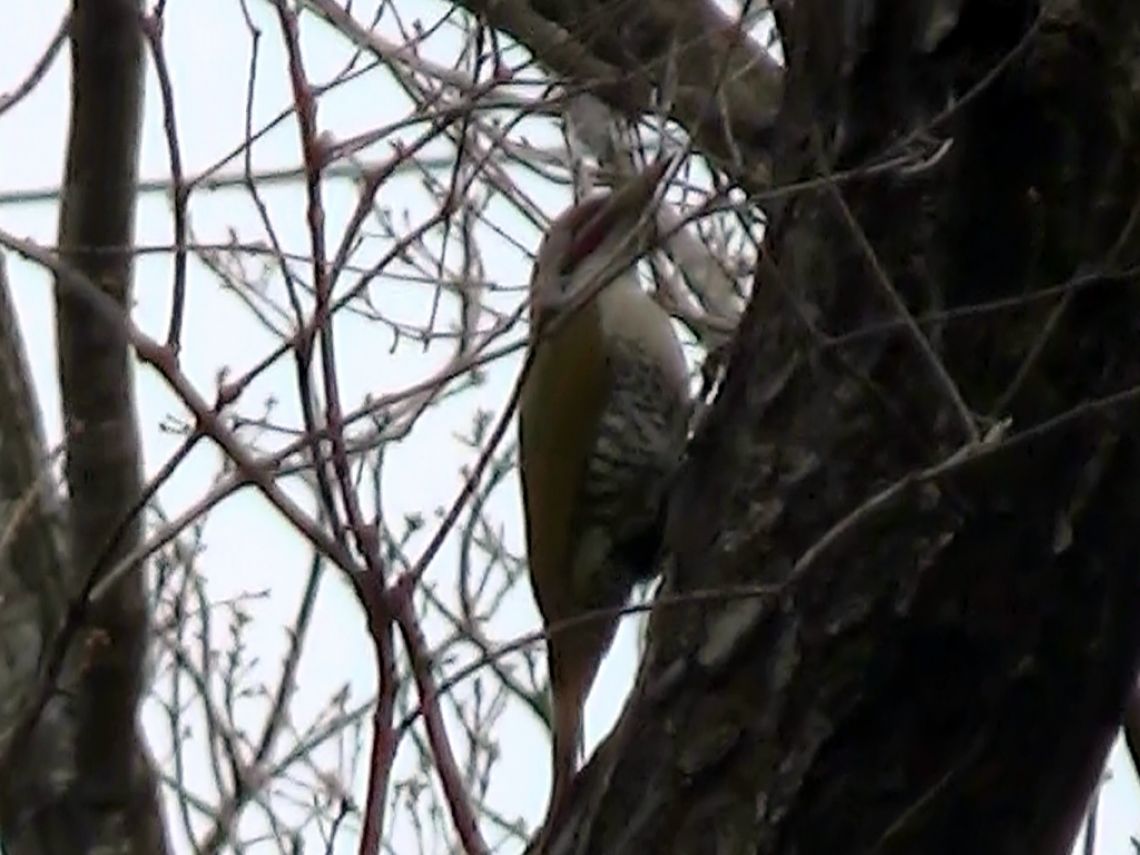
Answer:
(247, 549)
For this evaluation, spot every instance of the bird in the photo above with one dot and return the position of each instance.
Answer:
(603, 420)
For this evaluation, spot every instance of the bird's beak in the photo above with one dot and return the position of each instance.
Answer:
(632, 198)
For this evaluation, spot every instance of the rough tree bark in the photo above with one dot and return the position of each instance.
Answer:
(952, 633)
(74, 773)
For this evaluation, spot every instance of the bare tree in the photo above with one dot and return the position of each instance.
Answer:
(897, 603)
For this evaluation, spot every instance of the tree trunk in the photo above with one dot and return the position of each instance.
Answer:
(945, 510)
(75, 775)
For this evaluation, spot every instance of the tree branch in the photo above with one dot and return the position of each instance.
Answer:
(625, 51)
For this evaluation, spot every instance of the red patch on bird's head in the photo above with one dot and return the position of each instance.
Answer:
(589, 230)
(594, 219)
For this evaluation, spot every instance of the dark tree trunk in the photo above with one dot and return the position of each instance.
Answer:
(953, 631)
(75, 773)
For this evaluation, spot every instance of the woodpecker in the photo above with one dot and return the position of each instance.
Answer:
(603, 418)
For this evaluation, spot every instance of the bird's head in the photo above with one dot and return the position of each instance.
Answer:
(606, 231)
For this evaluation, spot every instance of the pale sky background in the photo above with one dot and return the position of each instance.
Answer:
(247, 548)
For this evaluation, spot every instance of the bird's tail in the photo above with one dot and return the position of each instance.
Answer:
(566, 750)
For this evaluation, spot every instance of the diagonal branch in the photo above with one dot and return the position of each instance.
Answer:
(659, 45)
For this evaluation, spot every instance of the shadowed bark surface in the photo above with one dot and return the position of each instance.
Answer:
(941, 670)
